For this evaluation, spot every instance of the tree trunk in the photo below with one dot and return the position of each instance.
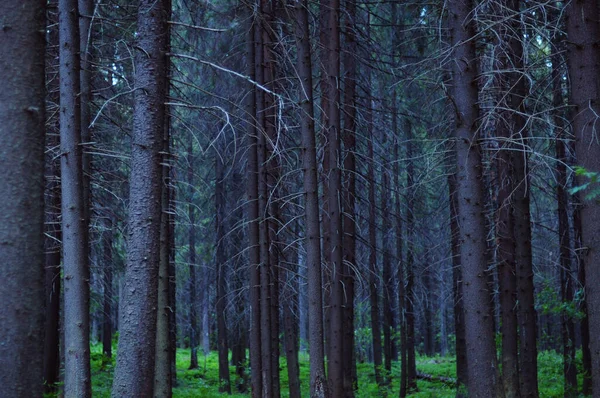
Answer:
(163, 380)
(21, 194)
(504, 217)
(388, 287)
(318, 381)
(134, 373)
(253, 216)
(224, 381)
(479, 329)
(53, 238)
(411, 365)
(192, 265)
(564, 235)
(108, 290)
(459, 313)
(74, 221)
(526, 314)
(349, 225)
(373, 270)
(261, 106)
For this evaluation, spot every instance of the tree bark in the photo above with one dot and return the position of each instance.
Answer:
(224, 381)
(21, 195)
(253, 215)
(192, 265)
(349, 223)
(74, 217)
(318, 381)
(108, 290)
(583, 60)
(479, 329)
(457, 293)
(134, 373)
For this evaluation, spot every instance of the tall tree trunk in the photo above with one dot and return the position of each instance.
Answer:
(261, 106)
(224, 381)
(388, 287)
(289, 297)
(318, 381)
(411, 362)
(349, 224)
(52, 245)
(134, 373)
(526, 313)
(253, 215)
(163, 380)
(583, 60)
(564, 235)
(74, 217)
(459, 314)
(401, 275)
(373, 269)
(21, 196)
(479, 328)
(192, 265)
(504, 217)
(108, 290)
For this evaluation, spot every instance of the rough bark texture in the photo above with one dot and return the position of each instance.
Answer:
(564, 235)
(318, 381)
(108, 291)
(134, 373)
(459, 312)
(504, 222)
(409, 296)
(224, 381)
(163, 380)
(53, 238)
(374, 285)
(192, 265)
(349, 225)
(21, 196)
(526, 314)
(481, 351)
(584, 62)
(253, 217)
(74, 223)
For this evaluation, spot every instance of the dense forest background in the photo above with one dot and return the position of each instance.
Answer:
(290, 197)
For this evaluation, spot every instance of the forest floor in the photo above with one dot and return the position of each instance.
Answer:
(203, 382)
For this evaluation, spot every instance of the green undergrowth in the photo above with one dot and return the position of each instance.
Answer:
(203, 382)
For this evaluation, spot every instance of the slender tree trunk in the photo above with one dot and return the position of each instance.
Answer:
(479, 328)
(373, 270)
(224, 381)
(526, 314)
(163, 380)
(349, 224)
(388, 287)
(134, 373)
(411, 365)
(459, 314)
(401, 274)
(564, 236)
(261, 106)
(52, 245)
(504, 219)
(192, 265)
(289, 296)
(583, 60)
(253, 216)
(318, 381)
(21, 195)
(74, 221)
(108, 290)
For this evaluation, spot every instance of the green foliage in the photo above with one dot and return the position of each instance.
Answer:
(203, 382)
(590, 185)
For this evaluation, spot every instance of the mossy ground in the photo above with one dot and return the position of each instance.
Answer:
(203, 382)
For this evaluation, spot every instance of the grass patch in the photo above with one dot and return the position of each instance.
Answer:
(203, 382)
